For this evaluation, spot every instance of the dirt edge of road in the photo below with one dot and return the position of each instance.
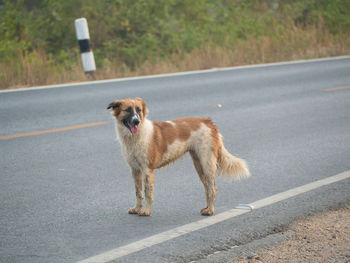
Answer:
(323, 237)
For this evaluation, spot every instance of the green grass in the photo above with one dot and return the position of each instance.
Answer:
(134, 37)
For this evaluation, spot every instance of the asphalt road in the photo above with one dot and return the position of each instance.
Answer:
(64, 195)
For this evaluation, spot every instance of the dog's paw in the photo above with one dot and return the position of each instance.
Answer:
(207, 212)
(133, 210)
(144, 212)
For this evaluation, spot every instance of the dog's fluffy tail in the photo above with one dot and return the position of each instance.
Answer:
(231, 166)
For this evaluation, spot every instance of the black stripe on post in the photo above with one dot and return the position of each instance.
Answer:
(84, 45)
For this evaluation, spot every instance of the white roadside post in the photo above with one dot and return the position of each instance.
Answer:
(87, 57)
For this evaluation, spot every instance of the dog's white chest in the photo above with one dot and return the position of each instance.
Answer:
(136, 156)
(135, 149)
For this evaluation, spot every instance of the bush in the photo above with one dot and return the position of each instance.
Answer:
(128, 34)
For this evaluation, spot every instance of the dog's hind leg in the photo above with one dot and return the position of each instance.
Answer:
(138, 187)
(211, 190)
(207, 175)
(149, 185)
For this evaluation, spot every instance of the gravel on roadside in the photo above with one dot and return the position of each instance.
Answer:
(324, 237)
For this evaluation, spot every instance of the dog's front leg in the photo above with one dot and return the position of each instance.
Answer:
(149, 185)
(137, 176)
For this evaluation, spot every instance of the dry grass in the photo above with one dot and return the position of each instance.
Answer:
(296, 43)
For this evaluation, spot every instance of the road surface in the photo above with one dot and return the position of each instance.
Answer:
(65, 189)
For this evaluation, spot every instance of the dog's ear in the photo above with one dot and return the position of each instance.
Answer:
(114, 104)
(144, 108)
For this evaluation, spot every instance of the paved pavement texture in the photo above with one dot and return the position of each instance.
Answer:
(64, 194)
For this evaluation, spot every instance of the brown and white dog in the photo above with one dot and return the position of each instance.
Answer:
(148, 145)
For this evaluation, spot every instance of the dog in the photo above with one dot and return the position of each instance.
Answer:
(148, 145)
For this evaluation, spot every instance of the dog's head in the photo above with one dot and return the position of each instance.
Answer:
(129, 113)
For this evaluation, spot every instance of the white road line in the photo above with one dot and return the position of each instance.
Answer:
(176, 74)
(185, 229)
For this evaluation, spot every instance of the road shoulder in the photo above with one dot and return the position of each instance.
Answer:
(322, 237)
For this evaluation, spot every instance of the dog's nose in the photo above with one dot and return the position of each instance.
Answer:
(135, 121)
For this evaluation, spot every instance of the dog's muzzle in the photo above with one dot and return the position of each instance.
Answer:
(132, 123)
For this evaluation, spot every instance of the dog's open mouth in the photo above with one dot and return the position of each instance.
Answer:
(132, 128)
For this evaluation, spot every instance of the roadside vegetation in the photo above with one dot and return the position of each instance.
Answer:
(38, 44)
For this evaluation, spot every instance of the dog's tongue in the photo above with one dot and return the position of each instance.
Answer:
(133, 129)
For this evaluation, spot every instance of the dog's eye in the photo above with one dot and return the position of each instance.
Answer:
(138, 110)
(128, 109)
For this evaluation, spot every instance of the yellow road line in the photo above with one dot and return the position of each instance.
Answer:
(336, 88)
(8, 137)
